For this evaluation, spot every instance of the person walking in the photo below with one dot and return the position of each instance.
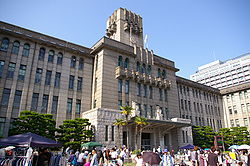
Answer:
(94, 161)
(167, 159)
(212, 157)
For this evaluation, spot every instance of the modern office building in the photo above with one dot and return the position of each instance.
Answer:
(220, 75)
(49, 75)
(232, 77)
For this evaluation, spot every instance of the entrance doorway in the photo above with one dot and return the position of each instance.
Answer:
(145, 141)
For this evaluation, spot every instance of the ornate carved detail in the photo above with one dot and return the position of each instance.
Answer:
(121, 73)
(111, 29)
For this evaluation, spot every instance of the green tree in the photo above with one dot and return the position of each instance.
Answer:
(126, 111)
(29, 121)
(235, 136)
(74, 132)
(140, 122)
(203, 136)
(119, 123)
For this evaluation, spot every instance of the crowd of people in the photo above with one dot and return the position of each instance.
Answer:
(118, 156)
(187, 157)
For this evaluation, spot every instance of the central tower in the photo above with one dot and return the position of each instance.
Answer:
(126, 27)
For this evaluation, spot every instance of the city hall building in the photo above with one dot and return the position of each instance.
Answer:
(49, 75)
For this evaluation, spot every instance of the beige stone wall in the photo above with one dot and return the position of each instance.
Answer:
(211, 116)
(28, 87)
(236, 106)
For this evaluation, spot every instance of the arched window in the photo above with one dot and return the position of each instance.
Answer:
(120, 61)
(5, 44)
(149, 70)
(81, 64)
(15, 48)
(126, 63)
(138, 66)
(41, 54)
(143, 69)
(159, 72)
(26, 49)
(51, 56)
(73, 62)
(59, 58)
(163, 74)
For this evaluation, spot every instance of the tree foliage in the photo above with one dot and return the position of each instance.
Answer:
(235, 136)
(29, 121)
(203, 136)
(74, 132)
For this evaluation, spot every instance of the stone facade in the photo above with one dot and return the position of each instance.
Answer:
(94, 82)
(236, 105)
(200, 103)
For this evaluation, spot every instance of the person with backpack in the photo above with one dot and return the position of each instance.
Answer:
(72, 159)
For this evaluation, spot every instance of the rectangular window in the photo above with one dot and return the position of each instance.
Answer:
(2, 126)
(150, 92)
(138, 90)
(48, 77)
(243, 108)
(248, 107)
(78, 106)
(106, 132)
(57, 80)
(165, 95)
(183, 136)
(113, 133)
(38, 77)
(1, 68)
(186, 136)
(71, 82)
(127, 86)
(146, 110)
(79, 84)
(119, 104)
(120, 86)
(245, 122)
(22, 71)
(182, 107)
(230, 110)
(189, 106)
(34, 102)
(237, 122)
(235, 109)
(232, 122)
(17, 100)
(11, 70)
(69, 105)
(45, 103)
(5, 97)
(145, 89)
(166, 111)
(54, 104)
(160, 92)
(151, 111)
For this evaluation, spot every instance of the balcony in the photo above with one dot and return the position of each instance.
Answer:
(121, 73)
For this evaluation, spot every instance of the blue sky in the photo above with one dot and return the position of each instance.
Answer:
(189, 32)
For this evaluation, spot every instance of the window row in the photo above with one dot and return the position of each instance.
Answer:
(147, 111)
(142, 68)
(236, 122)
(35, 102)
(41, 55)
(244, 109)
(11, 70)
(15, 47)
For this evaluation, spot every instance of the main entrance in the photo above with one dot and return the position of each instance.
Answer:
(145, 141)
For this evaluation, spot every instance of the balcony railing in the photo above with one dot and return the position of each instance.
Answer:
(122, 73)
